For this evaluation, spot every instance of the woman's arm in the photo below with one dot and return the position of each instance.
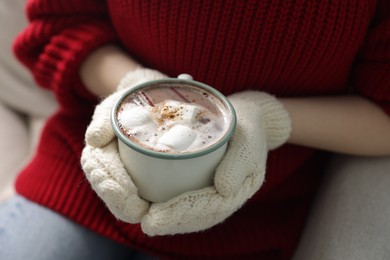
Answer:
(102, 71)
(59, 37)
(344, 124)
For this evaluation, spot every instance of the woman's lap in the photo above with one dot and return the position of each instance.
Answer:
(29, 231)
(350, 221)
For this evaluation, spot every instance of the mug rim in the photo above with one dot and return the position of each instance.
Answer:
(174, 156)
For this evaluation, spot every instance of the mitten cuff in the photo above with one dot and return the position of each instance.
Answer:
(275, 117)
(138, 76)
(278, 122)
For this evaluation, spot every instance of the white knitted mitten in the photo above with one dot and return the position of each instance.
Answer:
(100, 159)
(262, 124)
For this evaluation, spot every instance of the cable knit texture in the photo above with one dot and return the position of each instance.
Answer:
(239, 175)
(262, 124)
(283, 47)
(100, 158)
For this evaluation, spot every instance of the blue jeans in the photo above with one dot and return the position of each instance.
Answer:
(30, 231)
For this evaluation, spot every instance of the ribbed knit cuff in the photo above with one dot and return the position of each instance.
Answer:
(61, 59)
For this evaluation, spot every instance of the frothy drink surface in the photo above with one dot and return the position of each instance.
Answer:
(173, 118)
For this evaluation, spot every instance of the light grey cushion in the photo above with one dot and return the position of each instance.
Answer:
(351, 217)
(17, 88)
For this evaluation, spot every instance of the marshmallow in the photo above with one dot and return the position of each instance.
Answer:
(133, 116)
(179, 111)
(179, 137)
(190, 113)
(172, 104)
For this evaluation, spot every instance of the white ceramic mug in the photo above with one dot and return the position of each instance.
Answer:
(160, 176)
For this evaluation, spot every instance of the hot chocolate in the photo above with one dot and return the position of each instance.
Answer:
(173, 118)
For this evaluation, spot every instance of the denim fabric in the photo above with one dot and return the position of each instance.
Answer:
(30, 231)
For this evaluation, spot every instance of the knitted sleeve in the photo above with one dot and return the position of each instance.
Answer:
(371, 75)
(60, 35)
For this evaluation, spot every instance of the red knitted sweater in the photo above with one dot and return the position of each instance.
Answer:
(287, 48)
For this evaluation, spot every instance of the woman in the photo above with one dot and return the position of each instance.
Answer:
(324, 61)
